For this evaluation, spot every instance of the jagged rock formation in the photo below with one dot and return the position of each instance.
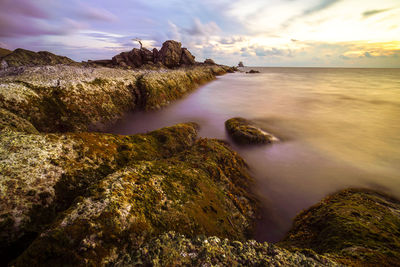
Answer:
(22, 57)
(171, 55)
(95, 196)
(70, 98)
(240, 65)
(244, 132)
(355, 227)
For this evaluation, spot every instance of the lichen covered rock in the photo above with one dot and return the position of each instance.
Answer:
(71, 99)
(172, 249)
(244, 132)
(354, 226)
(102, 194)
(10, 121)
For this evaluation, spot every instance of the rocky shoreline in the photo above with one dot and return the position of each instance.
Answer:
(71, 196)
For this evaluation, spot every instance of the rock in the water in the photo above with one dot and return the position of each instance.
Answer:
(170, 53)
(252, 71)
(244, 132)
(209, 61)
(186, 58)
(354, 226)
(240, 65)
(22, 57)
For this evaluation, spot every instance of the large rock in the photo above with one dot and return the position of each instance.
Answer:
(22, 57)
(94, 196)
(186, 58)
(170, 53)
(147, 55)
(209, 61)
(244, 132)
(356, 227)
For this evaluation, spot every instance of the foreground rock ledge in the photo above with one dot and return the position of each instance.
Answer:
(355, 227)
(86, 198)
(244, 132)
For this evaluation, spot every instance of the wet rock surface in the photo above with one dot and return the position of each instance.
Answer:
(355, 227)
(243, 131)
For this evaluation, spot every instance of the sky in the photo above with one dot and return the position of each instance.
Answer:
(283, 33)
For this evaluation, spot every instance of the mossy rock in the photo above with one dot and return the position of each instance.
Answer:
(22, 57)
(86, 197)
(173, 249)
(10, 121)
(4, 52)
(243, 131)
(354, 226)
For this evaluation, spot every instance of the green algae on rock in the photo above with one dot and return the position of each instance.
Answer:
(354, 226)
(172, 249)
(95, 195)
(73, 99)
(10, 121)
(41, 175)
(244, 132)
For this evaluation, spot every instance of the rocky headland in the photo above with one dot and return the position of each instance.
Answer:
(72, 196)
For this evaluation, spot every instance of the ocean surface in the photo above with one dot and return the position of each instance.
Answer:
(339, 128)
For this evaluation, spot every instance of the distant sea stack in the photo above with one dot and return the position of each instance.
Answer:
(240, 65)
(171, 55)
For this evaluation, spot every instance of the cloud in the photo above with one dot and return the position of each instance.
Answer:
(203, 29)
(321, 6)
(97, 14)
(369, 13)
(26, 8)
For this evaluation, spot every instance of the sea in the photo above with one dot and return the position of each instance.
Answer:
(338, 128)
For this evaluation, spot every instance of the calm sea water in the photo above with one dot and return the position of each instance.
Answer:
(339, 128)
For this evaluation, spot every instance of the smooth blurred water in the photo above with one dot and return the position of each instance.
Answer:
(339, 128)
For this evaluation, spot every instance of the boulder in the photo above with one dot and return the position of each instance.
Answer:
(147, 55)
(240, 65)
(356, 227)
(252, 71)
(170, 53)
(155, 55)
(4, 52)
(209, 61)
(244, 132)
(187, 58)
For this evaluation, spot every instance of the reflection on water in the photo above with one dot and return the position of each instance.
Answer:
(340, 128)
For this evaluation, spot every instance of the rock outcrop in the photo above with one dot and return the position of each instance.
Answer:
(83, 199)
(22, 57)
(171, 55)
(243, 131)
(240, 65)
(70, 98)
(355, 227)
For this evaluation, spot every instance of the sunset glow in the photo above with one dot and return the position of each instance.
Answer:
(351, 33)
